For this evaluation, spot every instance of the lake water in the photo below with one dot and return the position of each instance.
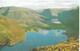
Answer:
(38, 39)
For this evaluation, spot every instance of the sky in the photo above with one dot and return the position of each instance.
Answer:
(40, 4)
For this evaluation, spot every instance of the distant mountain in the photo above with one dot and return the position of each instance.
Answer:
(22, 14)
(31, 17)
(52, 13)
(47, 13)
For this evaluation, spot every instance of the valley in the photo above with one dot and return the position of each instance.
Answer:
(20, 26)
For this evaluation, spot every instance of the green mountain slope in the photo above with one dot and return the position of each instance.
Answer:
(47, 13)
(25, 15)
(71, 21)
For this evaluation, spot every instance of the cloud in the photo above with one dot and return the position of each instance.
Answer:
(40, 4)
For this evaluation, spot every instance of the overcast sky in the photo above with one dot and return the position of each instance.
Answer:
(40, 4)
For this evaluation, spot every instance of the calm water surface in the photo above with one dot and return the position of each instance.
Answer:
(38, 39)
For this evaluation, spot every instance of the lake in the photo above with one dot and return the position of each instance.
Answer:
(38, 39)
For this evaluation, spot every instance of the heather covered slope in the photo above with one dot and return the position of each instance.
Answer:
(60, 47)
(10, 32)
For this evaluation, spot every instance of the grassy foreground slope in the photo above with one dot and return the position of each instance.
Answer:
(10, 32)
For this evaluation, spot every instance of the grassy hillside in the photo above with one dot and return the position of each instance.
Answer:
(10, 32)
(29, 19)
(25, 15)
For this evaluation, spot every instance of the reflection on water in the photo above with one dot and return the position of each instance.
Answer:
(38, 39)
(45, 32)
(59, 32)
